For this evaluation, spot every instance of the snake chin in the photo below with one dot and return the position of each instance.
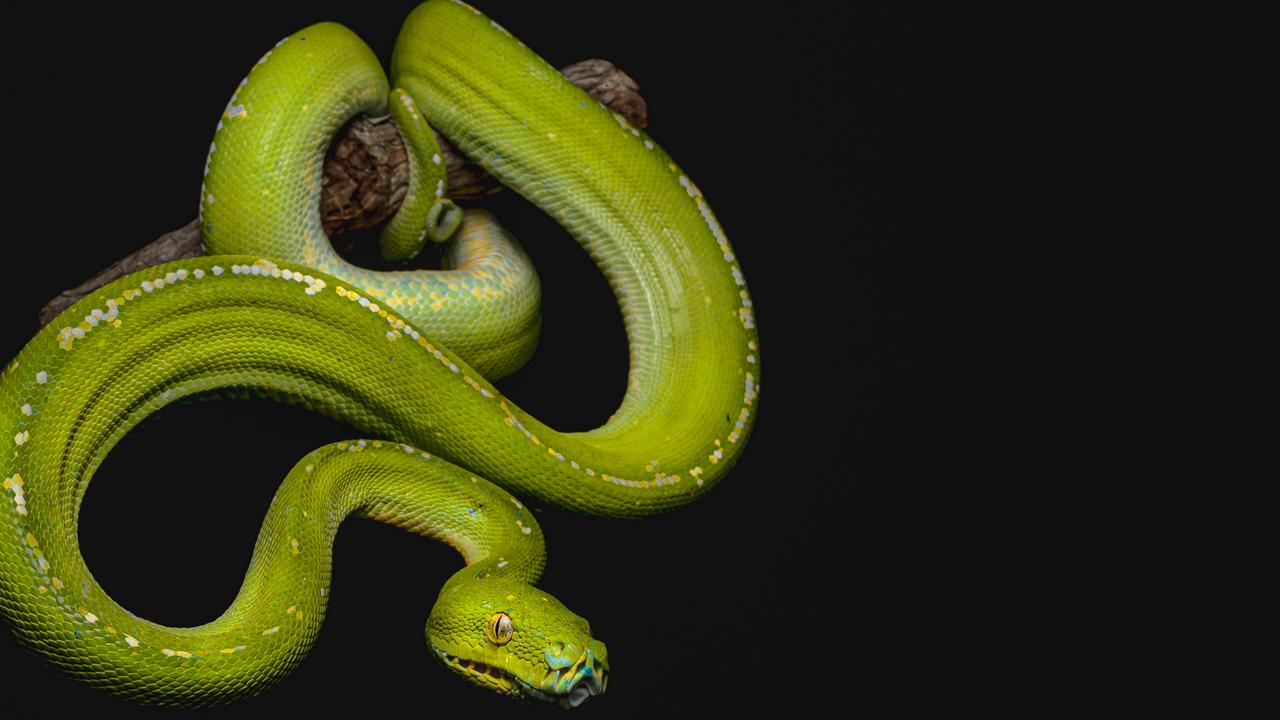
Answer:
(568, 686)
(481, 673)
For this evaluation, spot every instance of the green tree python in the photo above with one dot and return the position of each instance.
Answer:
(402, 356)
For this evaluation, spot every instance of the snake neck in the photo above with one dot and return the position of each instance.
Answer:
(399, 485)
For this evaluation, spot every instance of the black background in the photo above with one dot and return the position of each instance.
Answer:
(792, 123)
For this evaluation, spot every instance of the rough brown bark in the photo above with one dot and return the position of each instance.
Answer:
(366, 176)
(175, 245)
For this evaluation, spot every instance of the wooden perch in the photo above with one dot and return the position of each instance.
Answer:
(366, 176)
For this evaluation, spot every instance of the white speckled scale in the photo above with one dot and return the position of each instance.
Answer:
(276, 322)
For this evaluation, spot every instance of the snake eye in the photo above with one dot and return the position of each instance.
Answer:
(498, 629)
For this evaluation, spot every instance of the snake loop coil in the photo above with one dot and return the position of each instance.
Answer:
(402, 356)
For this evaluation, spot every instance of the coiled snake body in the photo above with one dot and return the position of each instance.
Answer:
(403, 357)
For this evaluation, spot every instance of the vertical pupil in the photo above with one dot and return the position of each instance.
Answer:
(500, 627)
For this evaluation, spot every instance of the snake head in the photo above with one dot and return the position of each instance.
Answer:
(513, 638)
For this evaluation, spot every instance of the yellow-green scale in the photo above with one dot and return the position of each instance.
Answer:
(275, 617)
(644, 222)
(286, 330)
(261, 194)
(222, 323)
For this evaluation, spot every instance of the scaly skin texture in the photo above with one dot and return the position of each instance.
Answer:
(425, 213)
(261, 195)
(287, 331)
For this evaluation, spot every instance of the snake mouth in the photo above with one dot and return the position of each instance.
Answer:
(483, 673)
(570, 686)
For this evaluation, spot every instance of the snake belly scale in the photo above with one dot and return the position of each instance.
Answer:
(452, 457)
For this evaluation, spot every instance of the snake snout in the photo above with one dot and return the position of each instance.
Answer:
(590, 678)
(584, 691)
(585, 686)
